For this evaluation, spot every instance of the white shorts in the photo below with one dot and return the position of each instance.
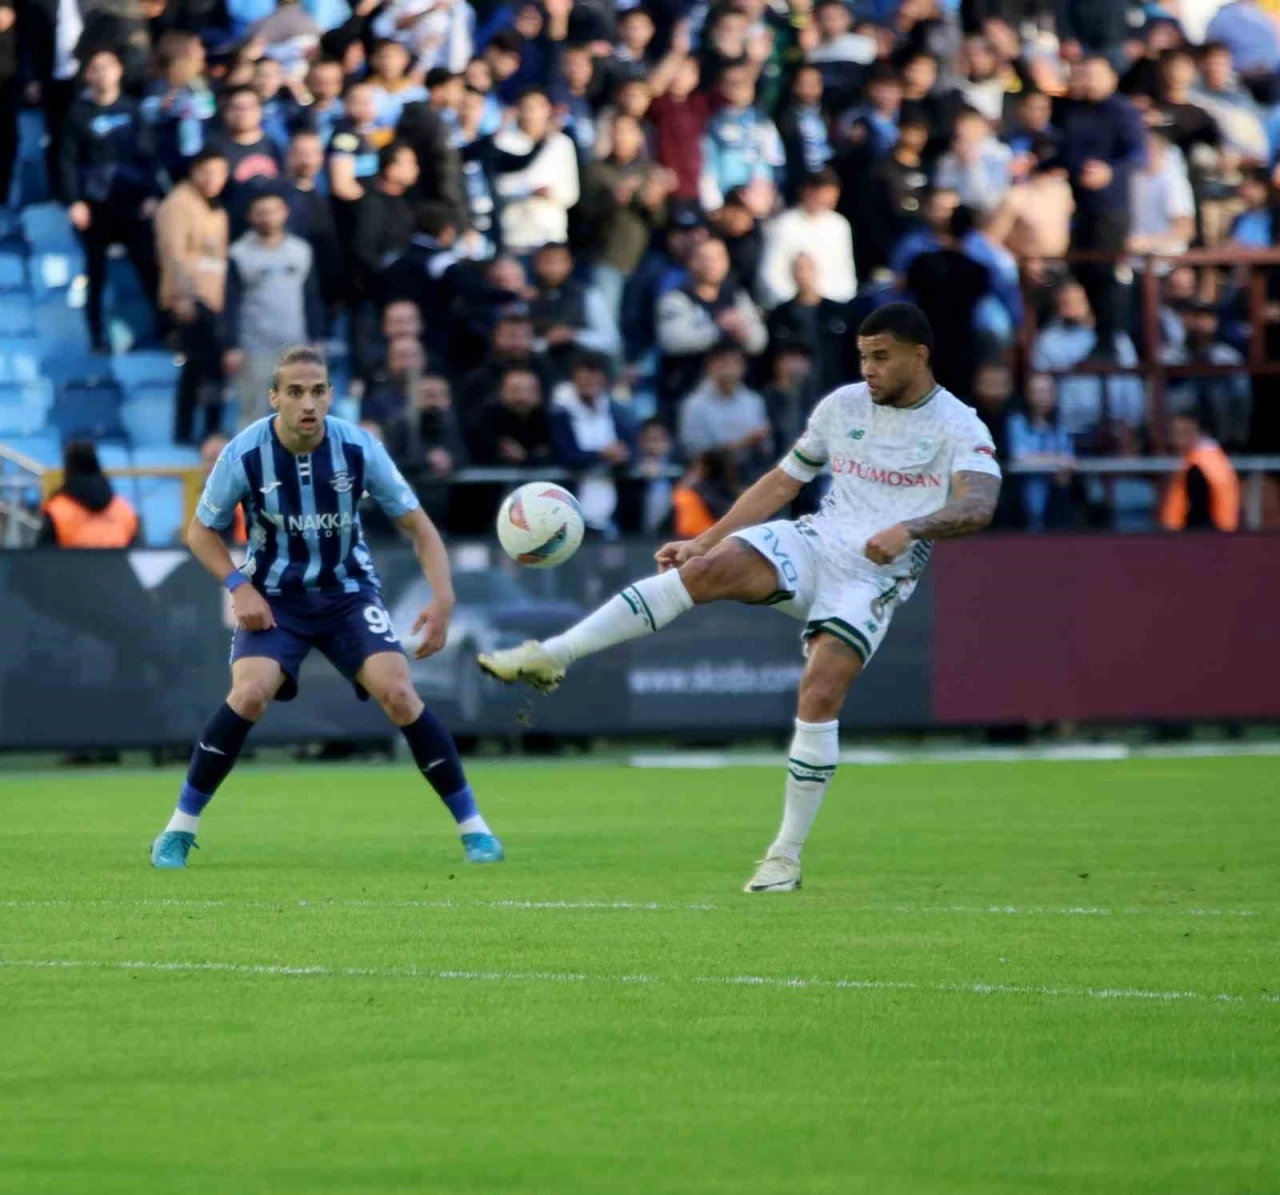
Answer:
(855, 608)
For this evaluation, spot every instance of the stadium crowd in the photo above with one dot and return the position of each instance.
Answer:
(633, 241)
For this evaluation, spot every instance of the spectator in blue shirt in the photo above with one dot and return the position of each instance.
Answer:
(741, 148)
(1035, 438)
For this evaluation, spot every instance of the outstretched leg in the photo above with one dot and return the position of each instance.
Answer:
(831, 669)
(732, 571)
(386, 677)
(255, 680)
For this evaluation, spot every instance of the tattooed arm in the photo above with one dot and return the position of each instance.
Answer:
(970, 508)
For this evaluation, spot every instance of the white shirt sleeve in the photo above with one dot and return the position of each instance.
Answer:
(973, 450)
(809, 456)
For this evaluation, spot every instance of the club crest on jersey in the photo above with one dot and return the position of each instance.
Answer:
(342, 482)
(857, 433)
(927, 445)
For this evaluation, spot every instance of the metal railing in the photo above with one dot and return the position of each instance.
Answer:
(19, 476)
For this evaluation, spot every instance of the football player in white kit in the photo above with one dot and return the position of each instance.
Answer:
(909, 463)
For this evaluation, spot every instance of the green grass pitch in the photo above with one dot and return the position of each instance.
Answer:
(1040, 977)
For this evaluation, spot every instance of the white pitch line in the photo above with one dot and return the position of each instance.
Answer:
(621, 906)
(321, 971)
(176, 902)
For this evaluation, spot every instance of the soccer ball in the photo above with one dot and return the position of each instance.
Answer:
(540, 525)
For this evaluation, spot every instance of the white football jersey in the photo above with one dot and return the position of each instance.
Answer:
(888, 465)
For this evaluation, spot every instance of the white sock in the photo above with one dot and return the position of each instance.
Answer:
(190, 822)
(815, 751)
(640, 609)
(474, 825)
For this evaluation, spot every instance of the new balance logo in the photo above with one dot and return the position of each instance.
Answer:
(211, 750)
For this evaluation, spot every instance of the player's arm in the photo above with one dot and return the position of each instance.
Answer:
(433, 556)
(216, 512)
(758, 504)
(970, 508)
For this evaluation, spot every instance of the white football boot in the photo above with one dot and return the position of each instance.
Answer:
(777, 873)
(529, 662)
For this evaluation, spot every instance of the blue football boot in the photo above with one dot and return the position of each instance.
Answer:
(173, 846)
(482, 848)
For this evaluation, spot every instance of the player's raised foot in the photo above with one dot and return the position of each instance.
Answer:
(171, 849)
(777, 873)
(483, 848)
(529, 662)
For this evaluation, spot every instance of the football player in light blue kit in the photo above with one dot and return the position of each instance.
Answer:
(309, 581)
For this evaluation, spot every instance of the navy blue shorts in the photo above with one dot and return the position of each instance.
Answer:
(346, 628)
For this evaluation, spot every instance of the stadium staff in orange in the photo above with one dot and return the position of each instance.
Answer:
(1205, 491)
(309, 581)
(85, 512)
(909, 463)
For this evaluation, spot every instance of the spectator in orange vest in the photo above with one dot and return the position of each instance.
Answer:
(1205, 492)
(705, 493)
(85, 512)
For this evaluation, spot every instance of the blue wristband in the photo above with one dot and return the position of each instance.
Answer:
(235, 578)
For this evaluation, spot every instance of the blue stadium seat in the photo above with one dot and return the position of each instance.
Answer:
(19, 361)
(89, 407)
(166, 456)
(17, 316)
(1134, 503)
(62, 362)
(52, 272)
(24, 408)
(145, 370)
(44, 447)
(46, 227)
(117, 456)
(13, 272)
(161, 508)
(148, 420)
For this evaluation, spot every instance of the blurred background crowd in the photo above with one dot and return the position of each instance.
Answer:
(632, 242)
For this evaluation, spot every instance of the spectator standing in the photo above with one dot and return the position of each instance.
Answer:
(1069, 338)
(977, 167)
(273, 298)
(84, 511)
(1039, 209)
(1035, 438)
(353, 156)
(679, 118)
(179, 107)
(1092, 27)
(565, 312)
(705, 493)
(791, 393)
(871, 128)
(695, 317)
(433, 34)
(1233, 108)
(743, 236)
(391, 396)
(591, 436)
(311, 213)
(887, 202)
(426, 441)
(109, 183)
(192, 240)
(741, 147)
(537, 177)
(623, 201)
(1204, 494)
(722, 413)
(1162, 205)
(511, 428)
(1224, 401)
(1102, 144)
(650, 493)
(392, 89)
(802, 125)
(253, 159)
(819, 327)
(384, 220)
(815, 228)
(325, 82)
(949, 287)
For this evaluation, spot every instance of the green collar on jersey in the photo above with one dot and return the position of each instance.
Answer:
(928, 398)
